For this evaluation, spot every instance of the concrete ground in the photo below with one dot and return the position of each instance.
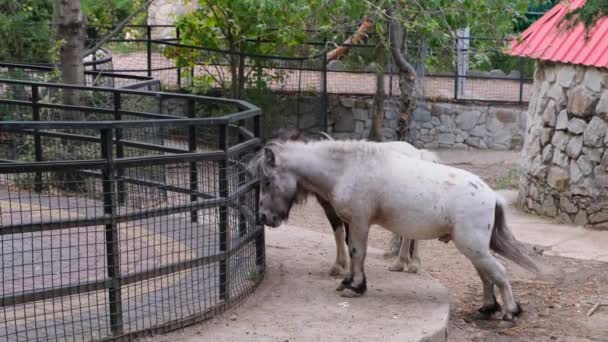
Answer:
(297, 300)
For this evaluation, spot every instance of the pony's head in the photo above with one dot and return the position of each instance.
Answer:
(279, 189)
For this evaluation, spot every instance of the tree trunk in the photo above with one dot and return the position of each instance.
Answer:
(378, 108)
(407, 73)
(71, 30)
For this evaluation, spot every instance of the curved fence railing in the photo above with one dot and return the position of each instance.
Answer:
(117, 218)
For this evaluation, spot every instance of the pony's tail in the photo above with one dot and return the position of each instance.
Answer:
(504, 243)
(327, 136)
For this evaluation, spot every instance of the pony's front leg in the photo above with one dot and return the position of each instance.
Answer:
(355, 284)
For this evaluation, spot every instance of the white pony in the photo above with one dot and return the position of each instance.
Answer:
(367, 183)
(405, 249)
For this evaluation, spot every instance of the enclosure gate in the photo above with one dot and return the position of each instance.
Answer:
(118, 219)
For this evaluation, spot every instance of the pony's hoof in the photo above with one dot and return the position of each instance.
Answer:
(340, 287)
(486, 311)
(350, 293)
(396, 267)
(413, 268)
(336, 270)
(506, 324)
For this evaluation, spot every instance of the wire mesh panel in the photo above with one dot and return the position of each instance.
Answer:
(116, 220)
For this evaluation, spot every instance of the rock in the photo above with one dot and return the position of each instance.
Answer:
(336, 65)
(547, 153)
(459, 138)
(537, 169)
(595, 132)
(467, 120)
(560, 159)
(421, 115)
(560, 140)
(428, 124)
(594, 154)
(435, 121)
(562, 120)
(549, 74)
(576, 126)
(557, 94)
(546, 134)
(593, 79)
(581, 101)
(584, 163)
(446, 139)
(549, 114)
(505, 115)
(567, 205)
(585, 187)
(478, 131)
(426, 138)
(361, 114)
(438, 109)
(549, 207)
(359, 126)
(517, 142)
(460, 146)
(598, 217)
(344, 123)
(558, 178)
(432, 145)
(573, 149)
(564, 217)
(349, 102)
(602, 105)
(447, 121)
(575, 172)
(497, 73)
(565, 75)
(476, 142)
(580, 218)
(514, 74)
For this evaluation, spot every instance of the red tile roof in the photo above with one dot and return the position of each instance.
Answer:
(544, 40)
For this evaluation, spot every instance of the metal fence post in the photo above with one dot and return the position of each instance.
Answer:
(149, 48)
(521, 80)
(259, 240)
(456, 74)
(179, 70)
(120, 153)
(242, 222)
(223, 213)
(111, 234)
(192, 146)
(37, 138)
(324, 92)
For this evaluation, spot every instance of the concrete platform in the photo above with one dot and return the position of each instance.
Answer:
(297, 300)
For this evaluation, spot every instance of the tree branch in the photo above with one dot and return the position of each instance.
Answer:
(396, 36)
(356, 38)
(117, 29)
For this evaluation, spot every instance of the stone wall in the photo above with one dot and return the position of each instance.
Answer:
(451, 125)
(350, 117)
(565, 164)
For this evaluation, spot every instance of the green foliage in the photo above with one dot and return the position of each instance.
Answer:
(109, 12)
(25, 30)
(588, 15)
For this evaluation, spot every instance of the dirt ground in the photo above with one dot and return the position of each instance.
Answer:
(554, 309)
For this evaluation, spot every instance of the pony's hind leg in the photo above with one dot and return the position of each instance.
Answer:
(355, 284)
(408, 255)
(339, 229)
(474, 244)
(490, 305)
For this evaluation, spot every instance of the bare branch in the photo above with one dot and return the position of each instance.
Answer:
(117, 29)
(396, 38)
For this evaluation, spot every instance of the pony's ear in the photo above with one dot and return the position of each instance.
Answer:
(269, 158)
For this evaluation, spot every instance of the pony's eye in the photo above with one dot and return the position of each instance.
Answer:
(266, 183)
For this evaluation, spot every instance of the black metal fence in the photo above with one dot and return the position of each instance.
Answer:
(117, 218)
(457, 73)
